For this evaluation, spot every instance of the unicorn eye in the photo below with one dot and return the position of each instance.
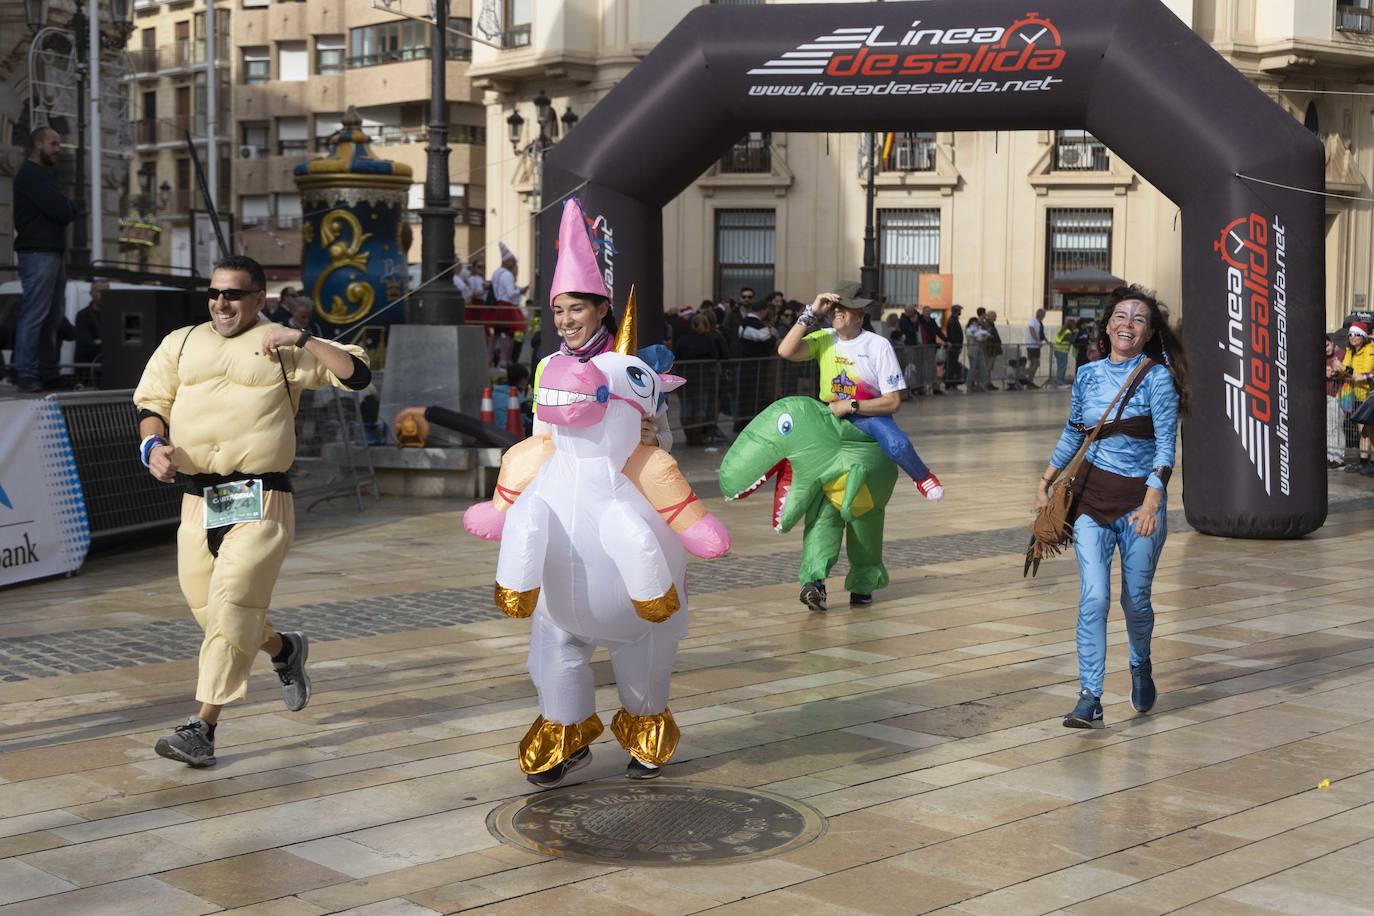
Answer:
(638, 377)
(785, 424)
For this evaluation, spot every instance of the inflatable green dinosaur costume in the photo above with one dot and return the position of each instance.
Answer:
(828, 473)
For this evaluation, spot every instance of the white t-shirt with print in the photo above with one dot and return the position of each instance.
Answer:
(860, 369)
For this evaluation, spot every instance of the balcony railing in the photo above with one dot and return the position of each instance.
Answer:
(394, 55)
(149, 131)
(752, 155)
(1350, 18)
(909, 154)
(184, 201)
(517, 37)
(1080, 154)
(143, 60)
(463, 216)
(458, 134)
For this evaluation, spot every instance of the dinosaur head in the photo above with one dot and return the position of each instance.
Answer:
(801, 445)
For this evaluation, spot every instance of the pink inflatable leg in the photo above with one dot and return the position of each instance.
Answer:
(483, 521)
(707, 538)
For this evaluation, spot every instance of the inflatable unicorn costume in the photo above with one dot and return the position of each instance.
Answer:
(586, 553)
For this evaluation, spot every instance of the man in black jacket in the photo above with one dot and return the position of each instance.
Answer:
(41, 215)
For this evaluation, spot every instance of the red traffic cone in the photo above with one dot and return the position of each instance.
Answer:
(487, 415)
(515, 423)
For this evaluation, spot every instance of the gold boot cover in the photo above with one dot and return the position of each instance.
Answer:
(652, 739)
(547, 744)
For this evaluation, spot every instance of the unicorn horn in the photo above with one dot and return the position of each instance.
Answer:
(627, 337)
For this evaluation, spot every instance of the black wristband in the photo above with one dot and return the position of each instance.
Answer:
(301, 341)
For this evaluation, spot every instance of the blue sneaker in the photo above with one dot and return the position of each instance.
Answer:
(1087, 714)
(1143, 691)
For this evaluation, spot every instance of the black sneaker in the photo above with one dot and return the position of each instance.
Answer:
(1087, 714)
(859, 599)
(813, 596)
(1143, 691)
(638, 769)
(1356, 467)
(190, 744)
(295, 683)
(554, 776)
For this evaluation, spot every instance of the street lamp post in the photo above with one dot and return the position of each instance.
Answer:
(438, 300)
(548, 132)
(85, 40)
(868, 275)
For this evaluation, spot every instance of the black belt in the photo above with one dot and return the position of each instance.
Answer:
(195, 484)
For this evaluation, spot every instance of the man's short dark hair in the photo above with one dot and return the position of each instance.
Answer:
(36, 136)
(744, 289)
(247, 265)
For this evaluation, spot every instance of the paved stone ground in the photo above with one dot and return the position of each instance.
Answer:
(926, 728)
(166, 640)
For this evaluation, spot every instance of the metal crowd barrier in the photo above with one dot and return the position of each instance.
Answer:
(733, 391)
(121, 496)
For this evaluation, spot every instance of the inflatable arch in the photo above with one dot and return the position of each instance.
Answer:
(1128, 71)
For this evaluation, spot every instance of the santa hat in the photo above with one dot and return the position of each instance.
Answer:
(1360, 328)
(506, 253)
(577, 270)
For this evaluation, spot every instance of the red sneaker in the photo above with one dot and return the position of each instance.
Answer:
(931, 488)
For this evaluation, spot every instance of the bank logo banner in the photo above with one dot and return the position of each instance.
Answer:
(43, 526)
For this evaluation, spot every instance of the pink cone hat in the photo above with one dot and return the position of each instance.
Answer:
(577, 270)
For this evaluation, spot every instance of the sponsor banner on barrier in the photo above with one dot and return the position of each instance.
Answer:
(43, 525)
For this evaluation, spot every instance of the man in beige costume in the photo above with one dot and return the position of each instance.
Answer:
(216, 408)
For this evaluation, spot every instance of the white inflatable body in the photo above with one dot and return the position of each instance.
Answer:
(604, 561)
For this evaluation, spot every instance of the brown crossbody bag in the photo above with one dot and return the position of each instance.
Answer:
(1052, 530)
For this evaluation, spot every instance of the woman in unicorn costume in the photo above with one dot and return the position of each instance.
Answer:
(587, 547)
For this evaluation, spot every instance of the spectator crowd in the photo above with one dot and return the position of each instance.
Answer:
(727, 352)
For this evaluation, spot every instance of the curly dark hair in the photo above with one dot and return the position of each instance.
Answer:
(1164, 346)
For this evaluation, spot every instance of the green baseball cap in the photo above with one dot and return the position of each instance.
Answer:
(848, 293)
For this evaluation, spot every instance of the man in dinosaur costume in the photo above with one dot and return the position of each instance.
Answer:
(826, 472)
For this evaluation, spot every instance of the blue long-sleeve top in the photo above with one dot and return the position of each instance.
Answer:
(1094, 386)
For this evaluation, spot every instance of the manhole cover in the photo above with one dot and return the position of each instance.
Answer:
(666, 823)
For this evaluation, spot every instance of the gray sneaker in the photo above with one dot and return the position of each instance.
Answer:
(190, 743)
(295, 683)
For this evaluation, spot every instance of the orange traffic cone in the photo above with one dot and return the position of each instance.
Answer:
(515, 423)
(487, 415)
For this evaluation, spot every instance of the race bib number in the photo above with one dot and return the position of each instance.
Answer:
(233, 502)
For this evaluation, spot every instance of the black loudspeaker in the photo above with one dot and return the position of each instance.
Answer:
(133, 322)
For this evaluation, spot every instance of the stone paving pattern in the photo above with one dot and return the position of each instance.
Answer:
(926, 728)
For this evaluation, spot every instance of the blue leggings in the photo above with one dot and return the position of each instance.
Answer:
(895, 444)
(1094, 546)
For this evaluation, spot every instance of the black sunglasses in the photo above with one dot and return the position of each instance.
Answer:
(233, 295)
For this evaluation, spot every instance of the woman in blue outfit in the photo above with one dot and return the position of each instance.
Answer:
(1120, 489)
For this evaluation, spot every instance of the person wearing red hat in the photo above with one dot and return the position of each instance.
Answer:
(1359, 368)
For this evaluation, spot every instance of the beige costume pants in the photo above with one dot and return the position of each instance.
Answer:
(229, 594)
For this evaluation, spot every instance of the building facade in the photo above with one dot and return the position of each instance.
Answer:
(171, 60)
(1005, 213)
(56, 72)
(296, 68)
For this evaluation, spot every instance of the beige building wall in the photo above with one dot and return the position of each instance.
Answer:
(164, 59)
(993, 190)
(15, 39)
(393, 94)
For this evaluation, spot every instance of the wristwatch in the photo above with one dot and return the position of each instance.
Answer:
(854, 407)
(300, 341)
